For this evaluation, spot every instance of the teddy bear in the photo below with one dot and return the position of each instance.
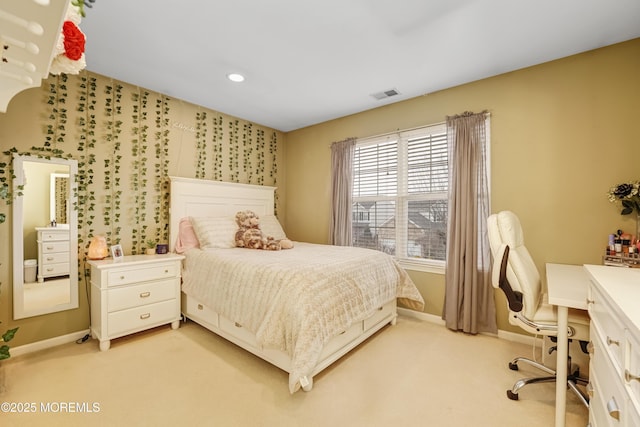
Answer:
(250, 236)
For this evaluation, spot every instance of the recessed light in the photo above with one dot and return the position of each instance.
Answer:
(235, 77)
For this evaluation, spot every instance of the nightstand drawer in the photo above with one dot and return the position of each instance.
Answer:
(140, 318)
(142, 274)
(138, 295)
(54, 258)
(51, 247)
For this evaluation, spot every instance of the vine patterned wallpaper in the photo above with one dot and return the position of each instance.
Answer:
(128, 141)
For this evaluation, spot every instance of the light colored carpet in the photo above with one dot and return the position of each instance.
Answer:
(412, 374)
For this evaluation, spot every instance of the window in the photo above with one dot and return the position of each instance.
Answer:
(400, 190)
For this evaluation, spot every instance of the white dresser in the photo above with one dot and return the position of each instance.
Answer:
(614, 372)
(53, 252)
(137, 293)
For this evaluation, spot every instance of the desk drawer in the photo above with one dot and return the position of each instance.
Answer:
(140, 318)
(138, 295)
(608, 325)
(136, 274)
(632, 372)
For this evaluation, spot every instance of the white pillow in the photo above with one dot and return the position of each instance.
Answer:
(215, 232)
(270, 226)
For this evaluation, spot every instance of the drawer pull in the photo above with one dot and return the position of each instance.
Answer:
(166, 271)
(590, 301)
(49, 269)
(49, 258)
(590, 389)
(237, 325)
(49, 248)
(121, 277)
(145, 316)
(200, 307)
(614, 342)
(628, 376)
(145, 294)
(612, 407)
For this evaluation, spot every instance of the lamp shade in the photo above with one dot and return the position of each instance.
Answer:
(98, 248)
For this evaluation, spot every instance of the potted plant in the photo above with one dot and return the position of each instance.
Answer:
(151, 247)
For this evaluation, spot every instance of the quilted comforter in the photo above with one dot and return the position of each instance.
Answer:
(298, 299)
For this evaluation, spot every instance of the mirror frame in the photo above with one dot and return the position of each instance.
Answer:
(19, 311)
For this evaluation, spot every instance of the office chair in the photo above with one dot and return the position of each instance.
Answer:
(515, 273)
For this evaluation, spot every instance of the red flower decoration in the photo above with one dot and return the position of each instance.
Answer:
(73, 41)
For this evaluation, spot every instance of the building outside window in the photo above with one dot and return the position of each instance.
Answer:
(400, 194)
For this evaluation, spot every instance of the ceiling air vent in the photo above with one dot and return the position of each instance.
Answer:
(386, 94)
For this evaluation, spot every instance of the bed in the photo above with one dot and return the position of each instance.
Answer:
(300, 309)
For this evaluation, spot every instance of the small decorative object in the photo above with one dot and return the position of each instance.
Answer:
(98, 248)
(116, 252)
(69, 50)
(151, 247)
(628, 193)
(162, 248)
(250, 236)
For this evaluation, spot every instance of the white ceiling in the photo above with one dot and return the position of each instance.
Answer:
(308, 61)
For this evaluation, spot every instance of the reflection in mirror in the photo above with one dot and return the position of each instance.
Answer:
(45, 236)
(59, 198)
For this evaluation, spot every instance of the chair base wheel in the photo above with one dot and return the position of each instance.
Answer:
(513, 366)
(511, 395)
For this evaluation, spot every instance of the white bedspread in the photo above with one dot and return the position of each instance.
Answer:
(296, 300)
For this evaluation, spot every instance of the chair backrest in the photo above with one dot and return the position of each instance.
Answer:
(504, 229)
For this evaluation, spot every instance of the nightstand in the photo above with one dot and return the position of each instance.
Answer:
(135, 293)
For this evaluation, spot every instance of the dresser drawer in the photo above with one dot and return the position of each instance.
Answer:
(611, 399)
(50, 236)
(142, 274)
(54, 258)
(138, 295)
(54, 269)
(52, 247)
(608, 326)
(632, 371)
(139, 318)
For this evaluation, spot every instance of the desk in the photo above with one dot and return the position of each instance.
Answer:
(567, 287)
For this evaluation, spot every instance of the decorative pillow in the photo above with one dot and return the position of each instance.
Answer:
(187, 238)
(270, 226)
(215, 232)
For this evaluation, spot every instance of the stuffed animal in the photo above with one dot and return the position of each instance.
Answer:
(250, 236)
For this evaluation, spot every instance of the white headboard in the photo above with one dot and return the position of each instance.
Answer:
(199, 197)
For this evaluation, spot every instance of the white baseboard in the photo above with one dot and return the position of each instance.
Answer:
(432, 318)
(45, 344)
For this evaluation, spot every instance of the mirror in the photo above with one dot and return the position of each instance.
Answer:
(45, 236)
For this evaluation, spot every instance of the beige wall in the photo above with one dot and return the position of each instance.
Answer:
(199, 143)
(562, 133)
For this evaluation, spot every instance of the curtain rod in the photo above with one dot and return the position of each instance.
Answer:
(409, 129)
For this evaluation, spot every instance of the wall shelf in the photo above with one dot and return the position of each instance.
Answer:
(29, 31)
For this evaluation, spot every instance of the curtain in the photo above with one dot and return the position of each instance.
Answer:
(469, 305)
(341, 186)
